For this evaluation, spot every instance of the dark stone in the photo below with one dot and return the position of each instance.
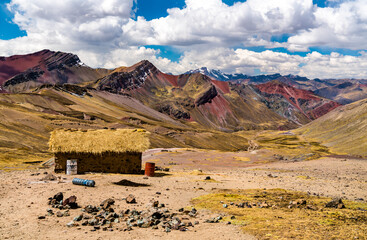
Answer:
(41, 217)
(107, 203)
(58, 196)
(241, 205)
(335, 203)
(155, 203)
(71, 201)
(157, 215)
(207, 178)
(78, 218)
(91, 209)
(130, 199)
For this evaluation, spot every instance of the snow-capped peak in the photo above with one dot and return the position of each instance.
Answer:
(217, 74)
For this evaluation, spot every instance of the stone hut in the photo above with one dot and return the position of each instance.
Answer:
(102, 150)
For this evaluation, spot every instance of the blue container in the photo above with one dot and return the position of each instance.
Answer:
(84, 182)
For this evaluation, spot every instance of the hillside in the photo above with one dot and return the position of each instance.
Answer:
(343, 129)
(26, 119)
(194, 98)
(23, 72)
(299, 105)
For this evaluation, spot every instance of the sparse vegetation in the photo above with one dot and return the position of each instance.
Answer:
(289, 146)
(278, 219)
(342, 130)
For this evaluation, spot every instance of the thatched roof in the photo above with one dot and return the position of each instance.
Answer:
(98, 141)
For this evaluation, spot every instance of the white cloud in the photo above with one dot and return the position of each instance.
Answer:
(103, 33)
(344, 26)
(68, 25)
(313, 65)
(212, 22)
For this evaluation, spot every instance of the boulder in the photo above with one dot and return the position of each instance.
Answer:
(130, 199)
(107, 203)
(335, 203)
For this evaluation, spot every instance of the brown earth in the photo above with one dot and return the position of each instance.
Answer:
(23, 197)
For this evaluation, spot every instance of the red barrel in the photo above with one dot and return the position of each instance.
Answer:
(149, 169)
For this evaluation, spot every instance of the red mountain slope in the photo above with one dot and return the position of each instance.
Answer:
(288, 99)
(192, 97)
(22, 72)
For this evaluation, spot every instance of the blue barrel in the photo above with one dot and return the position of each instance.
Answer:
(84, 182)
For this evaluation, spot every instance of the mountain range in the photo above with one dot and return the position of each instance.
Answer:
(47, 90)
(343, 91)
(273, 102)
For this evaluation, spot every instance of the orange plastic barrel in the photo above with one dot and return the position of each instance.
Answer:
(149, 169)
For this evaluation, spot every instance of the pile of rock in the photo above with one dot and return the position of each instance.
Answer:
(57, 201)
(105, 217)
(252, 205)
(299, 203)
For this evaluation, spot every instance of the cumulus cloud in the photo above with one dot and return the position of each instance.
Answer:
(313, 65)
(68, 25)
(212, 22)
(207, 32)
(344, 26)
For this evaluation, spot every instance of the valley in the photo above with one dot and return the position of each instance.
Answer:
(268, 142)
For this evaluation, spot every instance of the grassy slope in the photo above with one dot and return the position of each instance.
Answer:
(275, 220)
(242, 111)
(27, 119)
(343, 130)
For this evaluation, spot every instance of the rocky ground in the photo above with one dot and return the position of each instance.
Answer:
(26, 212)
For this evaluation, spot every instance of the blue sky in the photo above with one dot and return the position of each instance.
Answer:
(8, 29)
(306, 37)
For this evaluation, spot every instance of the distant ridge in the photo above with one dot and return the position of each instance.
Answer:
(218, 74)
(22, 72)
(343, 91)
(292, 103)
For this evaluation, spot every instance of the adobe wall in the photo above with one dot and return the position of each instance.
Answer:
(107, 162)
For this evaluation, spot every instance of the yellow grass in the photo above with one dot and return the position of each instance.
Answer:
(98, 141)
(343, 130)
(280, 222)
